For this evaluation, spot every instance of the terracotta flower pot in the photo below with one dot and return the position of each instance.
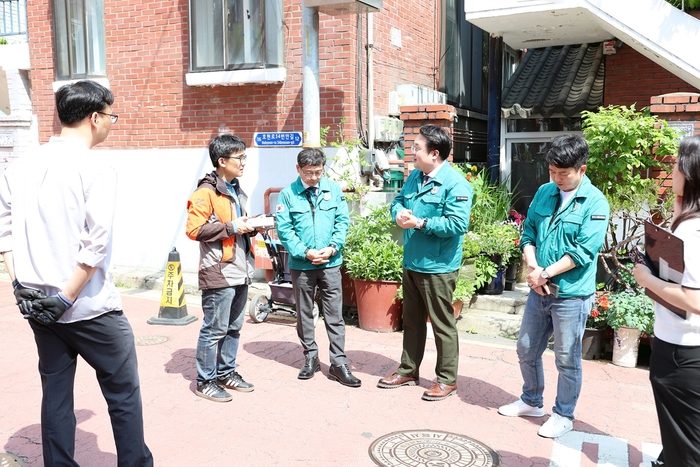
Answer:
(376, 308)
(456, 309)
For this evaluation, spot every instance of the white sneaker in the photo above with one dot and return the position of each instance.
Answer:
(555, 427)
(520, 409)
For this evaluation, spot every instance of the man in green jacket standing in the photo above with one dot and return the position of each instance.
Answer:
(312, 222)
(564, 230)
(433, 209)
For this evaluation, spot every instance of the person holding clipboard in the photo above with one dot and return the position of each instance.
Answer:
(674, 369)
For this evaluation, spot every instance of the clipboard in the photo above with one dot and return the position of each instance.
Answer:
(665, 252)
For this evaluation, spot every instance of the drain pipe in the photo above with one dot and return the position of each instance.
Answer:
(310, 87)
(370, 80)
(493, 139)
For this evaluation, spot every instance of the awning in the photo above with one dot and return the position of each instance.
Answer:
(556, 80)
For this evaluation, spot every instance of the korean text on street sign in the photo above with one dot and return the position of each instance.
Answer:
(278, 139)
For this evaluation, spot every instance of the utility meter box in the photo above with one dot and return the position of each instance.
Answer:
(344, 7)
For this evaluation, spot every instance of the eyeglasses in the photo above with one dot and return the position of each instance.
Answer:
(112, 117)
(242, 158)
(415, 149)
(315, 173)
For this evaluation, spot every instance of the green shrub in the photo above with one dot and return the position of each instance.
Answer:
(634, 310)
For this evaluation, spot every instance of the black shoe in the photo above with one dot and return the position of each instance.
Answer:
(236, 382)
(311, 366)
(341, 373)
(213, 391)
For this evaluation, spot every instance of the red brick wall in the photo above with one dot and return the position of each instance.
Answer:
(415, 116)
(631, 78)
(147, 59)
(675, 107)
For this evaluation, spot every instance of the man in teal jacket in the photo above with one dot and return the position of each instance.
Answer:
(433, 209)
(312, 222)
(564, 230)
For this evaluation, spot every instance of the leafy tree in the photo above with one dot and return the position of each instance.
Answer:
(625, 147)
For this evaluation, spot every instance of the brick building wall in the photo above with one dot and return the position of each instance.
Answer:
(147, 59)
(415, 116)
(630, 77)
(681, 109)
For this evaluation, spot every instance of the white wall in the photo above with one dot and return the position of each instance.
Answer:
(20, 126)
(153, 189)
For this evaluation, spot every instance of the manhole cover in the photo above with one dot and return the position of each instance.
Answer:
(151, 340)
(10, 460)
(426, 448)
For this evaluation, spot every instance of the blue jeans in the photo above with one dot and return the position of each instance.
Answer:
(565, 318)
(224, 311)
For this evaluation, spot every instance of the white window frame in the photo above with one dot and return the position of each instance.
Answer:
(258, 66)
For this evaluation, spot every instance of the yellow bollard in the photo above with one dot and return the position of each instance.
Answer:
(173, 309)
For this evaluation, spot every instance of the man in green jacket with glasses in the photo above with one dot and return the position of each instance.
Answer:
(433, 209)
(312, 222)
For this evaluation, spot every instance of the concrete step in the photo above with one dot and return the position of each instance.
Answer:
(495, 315)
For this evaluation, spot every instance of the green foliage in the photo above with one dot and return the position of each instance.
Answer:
(347, 171)
(370, 252)
(500, 239)
(463, 290)
(491, 203)
(486, 270)
(374, 227)
(471, 245)
(376, 261)
(3, 41)
(689, 4)
(631, 309)
(624, 146)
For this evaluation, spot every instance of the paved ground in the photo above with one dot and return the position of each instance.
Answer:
(289, 422)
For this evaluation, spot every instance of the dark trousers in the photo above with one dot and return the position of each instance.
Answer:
(106, 343)
(328, 283)
(429, 295)
(674, 372)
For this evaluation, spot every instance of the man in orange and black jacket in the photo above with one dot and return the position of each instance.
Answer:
(216, 218)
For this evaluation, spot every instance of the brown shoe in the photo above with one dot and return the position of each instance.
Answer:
(439, 392)
(396, 380)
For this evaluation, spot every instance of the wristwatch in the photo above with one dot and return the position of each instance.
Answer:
(545, 274)
(421, 224)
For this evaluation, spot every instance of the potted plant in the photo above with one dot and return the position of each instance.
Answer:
(592, 345)
(464, 289)
(499, 245)
(374, 260)
(629, 314)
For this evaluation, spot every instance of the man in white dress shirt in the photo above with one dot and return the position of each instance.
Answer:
(56, 212)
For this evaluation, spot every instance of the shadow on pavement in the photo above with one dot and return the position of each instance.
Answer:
(182, 361)
(26, 444)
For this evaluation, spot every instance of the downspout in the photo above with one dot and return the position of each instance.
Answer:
(310, 87)
(370, 81)
(493, 138)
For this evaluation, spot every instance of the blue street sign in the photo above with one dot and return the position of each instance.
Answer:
(278, 139)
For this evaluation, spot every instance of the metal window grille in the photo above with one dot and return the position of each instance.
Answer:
(13, 17)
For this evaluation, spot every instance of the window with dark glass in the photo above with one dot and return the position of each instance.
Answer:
(79, 38)
(236, 34)
(464, 59)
